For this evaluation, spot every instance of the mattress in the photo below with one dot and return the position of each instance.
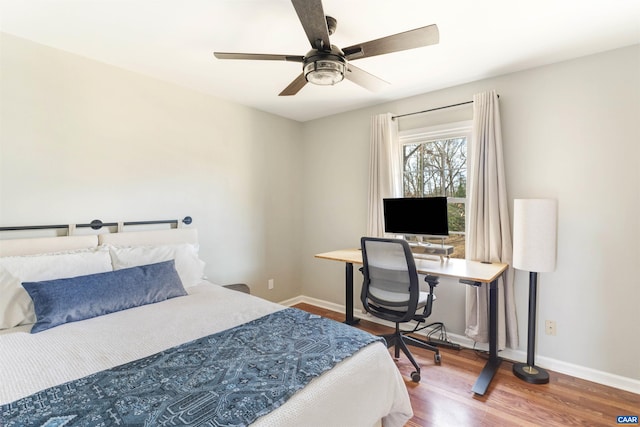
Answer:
(362, 390)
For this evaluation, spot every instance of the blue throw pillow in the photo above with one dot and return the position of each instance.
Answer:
(83, 297)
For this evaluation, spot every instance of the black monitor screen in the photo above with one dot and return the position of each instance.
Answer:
(426, 216)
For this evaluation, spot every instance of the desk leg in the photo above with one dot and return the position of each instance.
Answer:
(492, 365)
(350, 320)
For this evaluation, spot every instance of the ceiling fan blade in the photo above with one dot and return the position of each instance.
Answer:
(411, 39)
(311, 15)
(295, 86)
(364, 79)
(258, 56)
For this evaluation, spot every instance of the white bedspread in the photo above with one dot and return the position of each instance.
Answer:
(360, 391)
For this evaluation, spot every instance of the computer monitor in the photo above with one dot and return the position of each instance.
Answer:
(417, 216)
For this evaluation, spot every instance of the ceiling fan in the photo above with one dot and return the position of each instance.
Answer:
(326, 64)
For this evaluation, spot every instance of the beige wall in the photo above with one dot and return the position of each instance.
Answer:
(81, 140)
(570, 132)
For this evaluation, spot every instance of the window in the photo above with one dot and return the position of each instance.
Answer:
(434, 163)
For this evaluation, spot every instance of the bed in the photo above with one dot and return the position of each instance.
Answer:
(205, 355)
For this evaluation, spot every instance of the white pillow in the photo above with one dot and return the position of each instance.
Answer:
(16, 307)
(189, 266)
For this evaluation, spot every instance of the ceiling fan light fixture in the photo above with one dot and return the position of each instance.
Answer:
(325, 71)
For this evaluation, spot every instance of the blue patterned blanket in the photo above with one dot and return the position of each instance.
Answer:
(226, 379)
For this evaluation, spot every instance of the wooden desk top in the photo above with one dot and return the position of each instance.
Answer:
(448, 267)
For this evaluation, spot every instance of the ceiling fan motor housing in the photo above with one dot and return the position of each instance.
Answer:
(324, 67)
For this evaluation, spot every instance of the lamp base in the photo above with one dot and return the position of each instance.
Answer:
(531, 374)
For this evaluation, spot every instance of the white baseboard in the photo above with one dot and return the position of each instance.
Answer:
(600, 377)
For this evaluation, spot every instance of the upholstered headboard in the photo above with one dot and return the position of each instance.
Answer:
(16, 247)
(42, 245)
(154, 237)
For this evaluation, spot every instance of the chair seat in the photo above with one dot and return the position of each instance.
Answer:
(394, 296)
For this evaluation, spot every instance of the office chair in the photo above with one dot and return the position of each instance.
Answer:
(391, 292)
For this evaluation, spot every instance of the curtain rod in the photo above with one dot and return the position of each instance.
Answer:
(432, 109)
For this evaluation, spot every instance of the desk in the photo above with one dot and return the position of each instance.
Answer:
(449, 267)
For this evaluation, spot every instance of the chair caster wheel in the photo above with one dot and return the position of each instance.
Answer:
(436, 358)
(415, 377)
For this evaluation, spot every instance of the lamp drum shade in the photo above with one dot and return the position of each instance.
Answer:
(535, 234)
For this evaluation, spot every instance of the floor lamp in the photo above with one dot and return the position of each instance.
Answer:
(534, 250)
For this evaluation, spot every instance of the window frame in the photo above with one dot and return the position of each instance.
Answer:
(438, 132)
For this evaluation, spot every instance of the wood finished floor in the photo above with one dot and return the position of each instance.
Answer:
(444, 396)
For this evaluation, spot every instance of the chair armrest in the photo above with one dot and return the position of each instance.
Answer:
(432, 281)
(241, 287)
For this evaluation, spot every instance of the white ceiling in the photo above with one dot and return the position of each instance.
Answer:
(174, 41)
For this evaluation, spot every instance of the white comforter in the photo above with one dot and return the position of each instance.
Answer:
(359, 391)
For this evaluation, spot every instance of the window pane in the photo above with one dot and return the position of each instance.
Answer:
(439, 168)
(435, 168)
(456, 217)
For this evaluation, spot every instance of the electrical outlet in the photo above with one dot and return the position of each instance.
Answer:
(270, 284)
(550, 327)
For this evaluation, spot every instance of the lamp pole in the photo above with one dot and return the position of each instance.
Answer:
(529, 372)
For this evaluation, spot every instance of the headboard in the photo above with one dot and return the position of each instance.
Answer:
(40, 245)
(46, 245)
(153, 237)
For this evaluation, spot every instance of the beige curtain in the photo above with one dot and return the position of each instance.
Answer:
(488, 233)
(384, 170)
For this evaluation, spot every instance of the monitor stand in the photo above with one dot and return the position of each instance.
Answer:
(427, 257)
(425, 250)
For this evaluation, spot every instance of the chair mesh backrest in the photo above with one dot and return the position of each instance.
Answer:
(390, 274)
